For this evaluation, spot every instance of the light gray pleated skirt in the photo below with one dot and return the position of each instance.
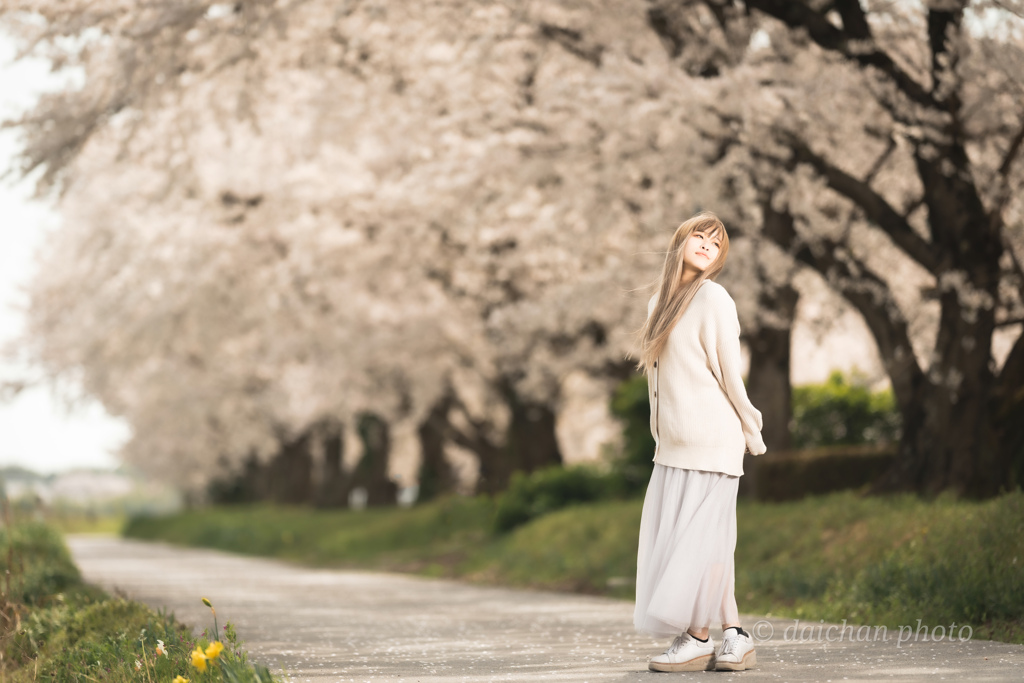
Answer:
(685, 574)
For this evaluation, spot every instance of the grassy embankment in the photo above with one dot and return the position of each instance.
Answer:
(53, 627)
(867, 560)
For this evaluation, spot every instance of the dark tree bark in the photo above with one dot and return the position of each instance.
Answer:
(436, 475)
(371, 473)
(768, 382)
(287, 478)
(238, 488)
(531, 442)
(333, 487)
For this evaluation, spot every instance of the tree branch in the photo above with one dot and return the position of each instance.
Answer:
(477, 444)
(855, 23)
(797, 14)
(874, 206)
(880, 161)
(939, 21)
(863, 289)
(1011, 154)
(572, 41)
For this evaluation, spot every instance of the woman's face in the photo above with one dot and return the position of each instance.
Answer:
(700, 251)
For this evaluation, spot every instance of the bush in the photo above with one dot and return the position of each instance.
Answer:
(630, 404)
(532, 495)
(843, 411)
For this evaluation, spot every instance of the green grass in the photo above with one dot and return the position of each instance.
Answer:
(406, 539)
(53, 627)
(106, 525)
(887, 561)
(879, 560)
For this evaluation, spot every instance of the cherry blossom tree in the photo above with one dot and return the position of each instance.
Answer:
(290, 222)
(289, 215)
(879, 144)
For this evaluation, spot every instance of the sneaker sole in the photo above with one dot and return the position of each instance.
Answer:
(702, 663)
(749, 661)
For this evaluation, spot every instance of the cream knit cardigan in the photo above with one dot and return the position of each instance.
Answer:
(701, 417)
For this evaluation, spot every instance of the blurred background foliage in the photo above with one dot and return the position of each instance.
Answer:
(843, 410)
(321, 254)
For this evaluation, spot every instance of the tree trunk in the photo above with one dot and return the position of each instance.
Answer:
(371, 473)
(768, 382)
(237, 488)
(334, 486)
(1008, 413)
(531, 443)
(949, 443)
(288, 475)
(436, 476)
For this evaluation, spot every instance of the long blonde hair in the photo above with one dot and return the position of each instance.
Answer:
(673, 296)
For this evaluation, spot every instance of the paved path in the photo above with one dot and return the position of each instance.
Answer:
(325, 625)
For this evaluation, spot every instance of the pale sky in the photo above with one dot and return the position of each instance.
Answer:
(36, 430)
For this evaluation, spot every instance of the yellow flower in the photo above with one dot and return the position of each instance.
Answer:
(206, 601)
(180, 679)
(160, 649)
(214, 650)
(199, 659)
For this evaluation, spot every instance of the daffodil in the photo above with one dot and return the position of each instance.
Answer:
(180, 679)
(160, 649)
(199, 659)
(214, 650)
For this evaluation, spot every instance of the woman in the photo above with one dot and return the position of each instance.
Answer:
(702, 422)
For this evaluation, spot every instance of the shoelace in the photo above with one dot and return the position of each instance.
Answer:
(729, 645)
(676, 644)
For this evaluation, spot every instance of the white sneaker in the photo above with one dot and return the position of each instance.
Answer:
(737, 652)
(685, 654)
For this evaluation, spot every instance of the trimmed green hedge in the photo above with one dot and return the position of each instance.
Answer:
(843, 411)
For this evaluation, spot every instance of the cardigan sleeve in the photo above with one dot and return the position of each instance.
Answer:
(720, 336)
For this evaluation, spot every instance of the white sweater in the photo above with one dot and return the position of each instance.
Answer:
(701, 417)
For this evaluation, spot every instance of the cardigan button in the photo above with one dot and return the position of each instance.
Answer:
(655, 363)
(655, 394)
